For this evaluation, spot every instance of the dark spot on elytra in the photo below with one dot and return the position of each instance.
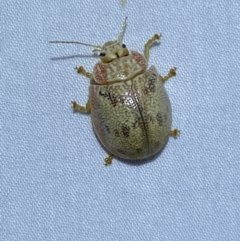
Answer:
(139, 150)
(122, 99)
(152, 79)
(159, 119)
(146, 90)
(125, 130)
(149, 118)
(111, 97)
(113, 100)
(150, 86)
(116, 133)
(105, 94)
(137, 123)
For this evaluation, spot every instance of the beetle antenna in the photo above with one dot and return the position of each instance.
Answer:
(120, 37)
(97, 47)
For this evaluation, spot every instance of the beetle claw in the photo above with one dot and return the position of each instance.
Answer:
(175, 133)
(108, 160)
(172, 72)
(81, 70)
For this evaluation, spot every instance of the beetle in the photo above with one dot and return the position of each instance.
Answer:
(130, 109)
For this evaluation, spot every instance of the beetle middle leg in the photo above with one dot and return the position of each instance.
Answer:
(171, 73)
(148, 44)
(80, 108)
(81, 70)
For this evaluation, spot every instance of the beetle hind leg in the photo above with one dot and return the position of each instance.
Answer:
(81, 70)
(108, 160)
(80, 108)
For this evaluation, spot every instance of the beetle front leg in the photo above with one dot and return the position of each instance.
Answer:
(81, 70)
(148, 44)
(80, 108)
(171, 73)
(75, 105)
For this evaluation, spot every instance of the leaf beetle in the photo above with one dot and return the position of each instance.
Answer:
(130, 109)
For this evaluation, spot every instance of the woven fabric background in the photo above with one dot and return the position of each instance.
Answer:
(54, 184)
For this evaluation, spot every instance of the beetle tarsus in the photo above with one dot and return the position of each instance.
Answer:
(175, 133)
(172, 72)
(108, 160)
(81, 70)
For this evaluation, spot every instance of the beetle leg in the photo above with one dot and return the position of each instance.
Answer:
(148, 44)
(175, 133)
(108, 160)
(80, 108)
(81, 70)
(171, 73)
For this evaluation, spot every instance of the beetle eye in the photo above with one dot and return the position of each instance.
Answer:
(123, 45)
(102, 54)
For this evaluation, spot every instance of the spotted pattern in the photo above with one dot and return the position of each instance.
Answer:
(129, 121)
(125, 130)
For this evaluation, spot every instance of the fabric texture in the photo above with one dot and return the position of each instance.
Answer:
(54, 183)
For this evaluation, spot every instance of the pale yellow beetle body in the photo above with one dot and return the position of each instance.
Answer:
(130, 109)
(131, 117)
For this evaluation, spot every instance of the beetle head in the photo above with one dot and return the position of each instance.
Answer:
(112, 50)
